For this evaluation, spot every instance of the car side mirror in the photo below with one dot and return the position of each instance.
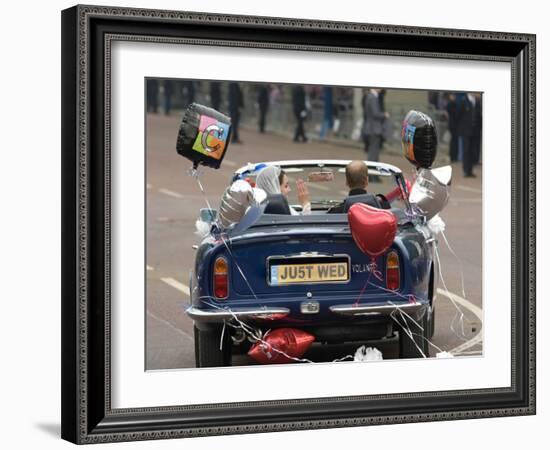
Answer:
(208, 215)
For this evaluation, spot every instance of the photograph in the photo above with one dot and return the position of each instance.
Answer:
(303, 224)
(279, 224)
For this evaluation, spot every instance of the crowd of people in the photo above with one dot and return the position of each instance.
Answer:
(460, 110)
(465, 121)
(463, 112)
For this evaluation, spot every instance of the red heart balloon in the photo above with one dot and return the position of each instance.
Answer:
(373, 229)
(291, 341)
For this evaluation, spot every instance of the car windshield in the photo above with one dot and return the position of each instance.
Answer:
(327, 184)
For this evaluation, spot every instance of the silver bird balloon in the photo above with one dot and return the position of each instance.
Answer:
(236, 199)
(431, 190)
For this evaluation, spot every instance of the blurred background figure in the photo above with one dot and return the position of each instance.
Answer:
(465, 124)
(477, 128)
(381, 99)
(328, 112)
(236, 102)
(387, 125)
(300, 112)
(263, 105)
(215, 95)
(374, 121)
(433, 99)
(168, 91)
(451, 124)
(152, 87)
(364, 129)
(188, 92)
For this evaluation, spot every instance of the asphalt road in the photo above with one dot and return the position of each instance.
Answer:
(173, 202)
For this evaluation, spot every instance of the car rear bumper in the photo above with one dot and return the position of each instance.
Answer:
(384, 309)
(378, 310)
(219, 315)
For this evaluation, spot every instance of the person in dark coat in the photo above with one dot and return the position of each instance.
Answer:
(373, 124)
(363, 134)
(382, 103)
(357, 181)
(188, 92)
(465, 124)
(215, 95)
(168, 92)
(451, 121)
(152, 85)
(330, 113)
(477, 125)
(300, 112)
(263, 105)
(235, 104)
(381, 99)
(433, 99)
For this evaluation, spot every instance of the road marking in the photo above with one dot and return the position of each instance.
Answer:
(149, 186)
(171, 326)
(149, 267)
(229, 163)
(177, 285)
(170, 193)
(477, 339)
(476, 310)
(468, 188)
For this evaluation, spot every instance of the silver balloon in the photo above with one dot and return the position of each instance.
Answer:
(236, 199)
(431, 190)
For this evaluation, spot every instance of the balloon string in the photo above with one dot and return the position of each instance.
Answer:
(416, 334)
(405, 326)
(196, 175)
(257, 336)
(222, 336)
(459, 313)
(459, 262)
(411, 298)
(372, 269)
(265, 346)
(234, 259)
(407, 330)
(362, 289)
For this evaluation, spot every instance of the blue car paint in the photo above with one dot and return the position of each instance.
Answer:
(414, 254)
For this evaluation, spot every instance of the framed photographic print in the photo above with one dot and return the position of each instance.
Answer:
(283, 224)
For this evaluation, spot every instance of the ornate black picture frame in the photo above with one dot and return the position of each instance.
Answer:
(87, 34)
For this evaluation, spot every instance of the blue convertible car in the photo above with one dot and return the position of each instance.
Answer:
(274, 269)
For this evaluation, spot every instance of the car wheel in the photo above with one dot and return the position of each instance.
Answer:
(207, 347)
(418, 346)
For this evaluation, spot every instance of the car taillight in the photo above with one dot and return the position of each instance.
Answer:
(221, 286)
(392, 271)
